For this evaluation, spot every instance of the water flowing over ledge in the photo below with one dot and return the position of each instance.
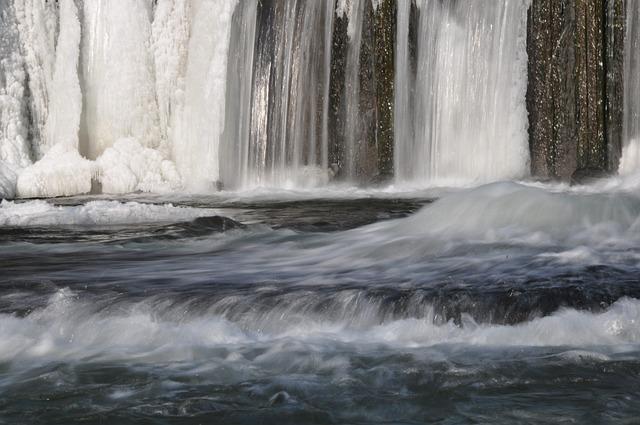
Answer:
(197, 94)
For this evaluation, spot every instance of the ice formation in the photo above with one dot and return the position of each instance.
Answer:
(97, 213)
(114, 92)
(127, 166)
(61, 172)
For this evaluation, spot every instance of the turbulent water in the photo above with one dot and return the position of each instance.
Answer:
(512, 302)
(509, 303)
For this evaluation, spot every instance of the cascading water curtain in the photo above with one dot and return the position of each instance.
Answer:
(277, 97)
(630, 161)
(460, 102)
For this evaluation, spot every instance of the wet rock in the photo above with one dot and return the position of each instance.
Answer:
(587, 175)
(215, 223)
(574, 94)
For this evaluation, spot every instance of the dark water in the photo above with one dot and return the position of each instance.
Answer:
(502, 304)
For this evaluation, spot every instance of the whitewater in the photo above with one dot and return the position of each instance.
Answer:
(203, 219)
(308, 307)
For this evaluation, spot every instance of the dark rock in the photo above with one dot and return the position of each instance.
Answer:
(587, 175)
(215, 223)
(574, 92)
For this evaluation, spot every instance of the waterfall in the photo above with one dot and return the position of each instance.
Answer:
(355, 16)
(468, 120)
(404, 83)
(160, 95)
(630, 161)
(277, 98)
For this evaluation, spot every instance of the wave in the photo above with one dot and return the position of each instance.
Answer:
(69, 329)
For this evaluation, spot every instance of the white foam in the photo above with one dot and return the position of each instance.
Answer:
(68, 329)
(581, 254)
(95, 213)
(511, 215)
(630, 160)
(506, 211)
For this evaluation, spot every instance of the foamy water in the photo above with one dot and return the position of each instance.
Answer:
(308, 307)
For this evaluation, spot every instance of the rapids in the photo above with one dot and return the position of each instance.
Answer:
(307, 307)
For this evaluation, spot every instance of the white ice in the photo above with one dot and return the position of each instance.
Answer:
(61, 172)
(128, 167)
(94, 213)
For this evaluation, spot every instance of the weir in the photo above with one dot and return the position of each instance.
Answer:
(198, 94)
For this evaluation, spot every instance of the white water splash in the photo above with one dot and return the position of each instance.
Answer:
(467, 121)
(68, 329)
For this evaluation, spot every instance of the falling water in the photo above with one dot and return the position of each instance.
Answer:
(630, 161)
(468, 119)
(159, 95)
(355, 15)
(277, 102)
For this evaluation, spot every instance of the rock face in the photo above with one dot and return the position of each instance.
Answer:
(384, 35)
(574, 95)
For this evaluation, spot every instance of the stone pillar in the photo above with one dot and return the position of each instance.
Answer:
(337, 107)
(574, 92)
(384, 35)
